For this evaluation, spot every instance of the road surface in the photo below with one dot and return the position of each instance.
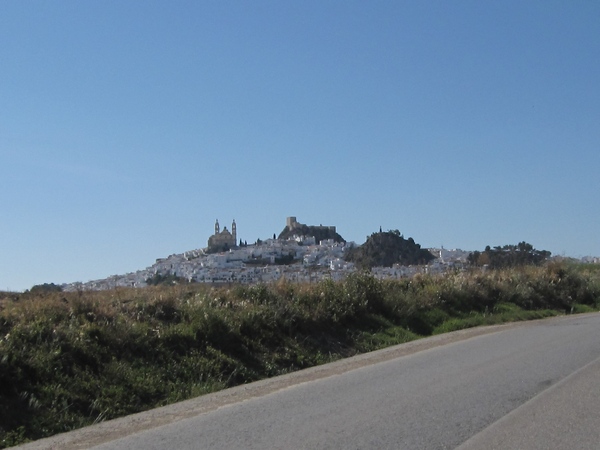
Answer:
(527, 385)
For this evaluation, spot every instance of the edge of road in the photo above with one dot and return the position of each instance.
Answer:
(110, 430)
(564, 416)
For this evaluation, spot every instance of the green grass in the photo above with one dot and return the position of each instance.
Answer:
(68, 360)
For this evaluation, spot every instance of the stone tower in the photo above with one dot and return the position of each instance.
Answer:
(234, 232)
(291, 222)
(217, 227)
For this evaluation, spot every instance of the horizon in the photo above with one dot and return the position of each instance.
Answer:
(126, 130)
(266, 239)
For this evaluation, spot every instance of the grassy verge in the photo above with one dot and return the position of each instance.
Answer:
(72, 359)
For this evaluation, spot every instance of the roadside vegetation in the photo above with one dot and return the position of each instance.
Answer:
(70, 359)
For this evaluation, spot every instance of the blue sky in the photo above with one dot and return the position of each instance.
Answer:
(128, 127)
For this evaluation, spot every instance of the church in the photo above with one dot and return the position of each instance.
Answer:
(223, 240)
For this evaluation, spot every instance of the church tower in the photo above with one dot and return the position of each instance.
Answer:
(234, 232)
(217, 228)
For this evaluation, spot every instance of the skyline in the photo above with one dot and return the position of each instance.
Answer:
(126, 131)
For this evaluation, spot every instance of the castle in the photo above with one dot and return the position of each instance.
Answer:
(293, 224)
(223, 240)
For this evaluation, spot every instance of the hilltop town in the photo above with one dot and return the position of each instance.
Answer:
(296, 255)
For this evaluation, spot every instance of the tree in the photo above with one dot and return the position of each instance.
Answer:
(46, 287)
(508, 256)
(168, 279)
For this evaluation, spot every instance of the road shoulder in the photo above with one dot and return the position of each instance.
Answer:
(564, 416)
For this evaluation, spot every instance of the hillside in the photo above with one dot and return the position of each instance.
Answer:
(384, 249)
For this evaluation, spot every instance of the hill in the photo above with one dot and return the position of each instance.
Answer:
(384, 249)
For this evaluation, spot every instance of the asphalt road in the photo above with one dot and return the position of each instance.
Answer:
(526, 386)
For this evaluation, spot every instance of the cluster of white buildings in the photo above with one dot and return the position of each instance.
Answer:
(590, 260)
(445, 260)
(296, 260)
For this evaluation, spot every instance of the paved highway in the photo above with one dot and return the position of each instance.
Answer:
(528, 385)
